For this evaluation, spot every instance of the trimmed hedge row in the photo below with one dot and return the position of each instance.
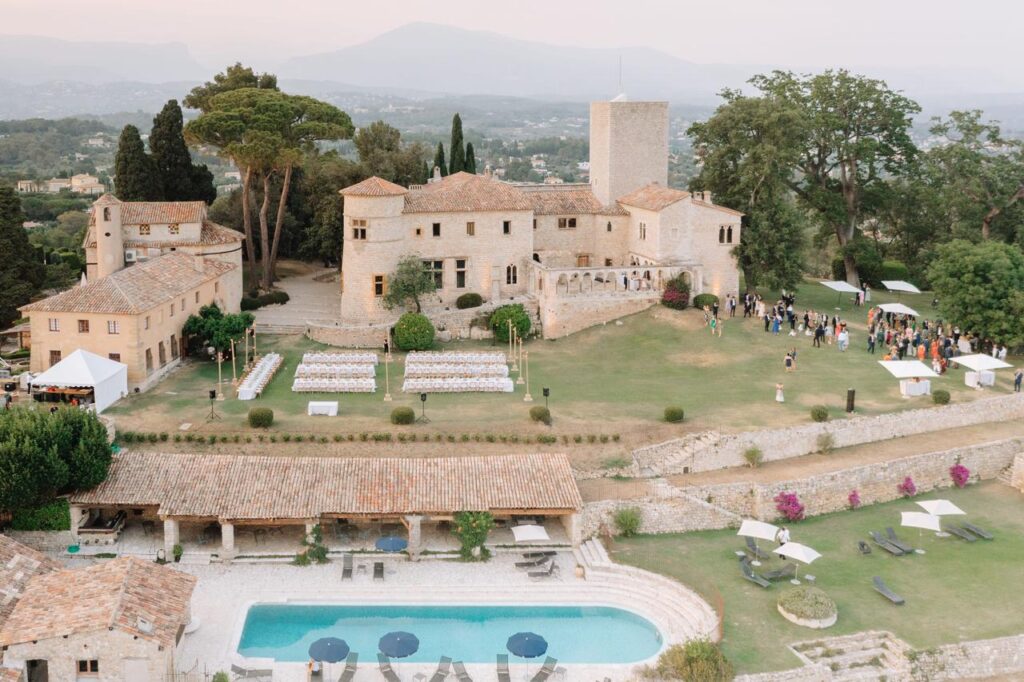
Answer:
(254, 302)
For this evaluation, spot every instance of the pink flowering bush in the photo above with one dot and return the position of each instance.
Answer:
(676, 294)
(854, 499)
(788, 504)
(960, 475)
(907, 488)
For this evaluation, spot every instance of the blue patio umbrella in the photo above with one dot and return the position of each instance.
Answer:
(328, 650)
(391, 543)
(399, 644)
(527, 645)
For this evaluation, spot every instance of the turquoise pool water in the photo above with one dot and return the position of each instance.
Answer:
(473, 634)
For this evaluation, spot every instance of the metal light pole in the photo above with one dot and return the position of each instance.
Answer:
(519, 352)
(526, 361)
(245, 364)
(220, 376)
(387, 378)
(234, 375)
(513, 340)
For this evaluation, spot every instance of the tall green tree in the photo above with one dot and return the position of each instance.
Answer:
(470, 159)
(235, 77)
(382, 153)
(21, 271)
(181, 179)
(439, 160)
(854, 132)
(457, 162)
(135, 175)
(322, 206)
(746, 149)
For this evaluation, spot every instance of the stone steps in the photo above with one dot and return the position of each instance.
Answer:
(871, 655)
(279, 329)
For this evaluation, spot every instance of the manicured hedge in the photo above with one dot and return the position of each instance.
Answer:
(254, 302)
(469, 300)
(674, 414)
(500, 318)
(50, 516)
(403, 415)
(940, 397)
(539, 413)
(261, 417)
(413, 331)
(819, 413)
(701, 300)
(808, 602)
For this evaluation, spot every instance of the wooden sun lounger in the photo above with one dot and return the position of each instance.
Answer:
(346, 567)
(756, 551)
(503, 673)
(532, 563)
(980, 532)
(378, 570)
(247, 674)
(351, 664)
(460, 672)
(544, 574)
(785, 573)
(538, 555)
(444, 667)
(749, 574)
(385, 669)
(884, 590)
(546, 670)
(960, 533)
(904, 547)
(885, 544)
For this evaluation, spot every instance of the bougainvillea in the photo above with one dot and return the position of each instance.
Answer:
(854, 499)
(960, 475)
(789, 505)
(676, 294)
(907, 488)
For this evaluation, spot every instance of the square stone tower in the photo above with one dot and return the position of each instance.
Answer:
(628, 147)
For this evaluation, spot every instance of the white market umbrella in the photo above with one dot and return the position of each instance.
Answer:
(980, 362)
(529, 533)
(840, 288)
(916, 519)
(900, 285)
(907, 369)
(898, 309)
(799, 552)
(759, 530)
(940, 507)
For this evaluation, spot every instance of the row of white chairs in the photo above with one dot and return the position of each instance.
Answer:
(458, 385)
(455, 357)
(256, 380)
(346, 370)
(349, 357)
(449, 370)
(352, 385)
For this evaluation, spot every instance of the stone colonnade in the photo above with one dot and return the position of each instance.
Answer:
(619, 280)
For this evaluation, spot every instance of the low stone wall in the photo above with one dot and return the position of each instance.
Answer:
(809, 673)
(362, 336)
(1016, 477)
(563, 316)
(718, 451)
(667, 510)
(966, 660)
(43, 540)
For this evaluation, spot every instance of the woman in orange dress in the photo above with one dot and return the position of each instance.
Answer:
(921, 350)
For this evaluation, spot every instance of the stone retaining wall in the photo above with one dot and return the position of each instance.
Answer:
(667, 510)
(43, 540)
(562, 317)
(979, 658)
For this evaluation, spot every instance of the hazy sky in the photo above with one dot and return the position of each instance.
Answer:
(978, 34)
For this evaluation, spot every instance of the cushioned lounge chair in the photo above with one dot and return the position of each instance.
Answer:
(460, 672)
(884, 590)
(546, 670)
(378, 570)
(749, 574)
(552, 567)
(885, 544)
(538, 555)
(980, 532)
(346, 567)
(385, 669)
(906, 549)
(444, 667)
(756, 551)
(960, 533)
(532, 563)
(503, 673)
(351, 664)
(785, 573)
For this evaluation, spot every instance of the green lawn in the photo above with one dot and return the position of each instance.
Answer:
(612, 378)
(956, 591)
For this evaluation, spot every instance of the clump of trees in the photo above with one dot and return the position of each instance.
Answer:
(21, 272)
(212, 328)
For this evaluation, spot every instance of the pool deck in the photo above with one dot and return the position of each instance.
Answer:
(225, 591)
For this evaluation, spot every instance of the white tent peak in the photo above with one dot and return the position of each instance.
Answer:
(78, 370)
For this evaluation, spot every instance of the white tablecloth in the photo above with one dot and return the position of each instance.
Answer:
(327, 407)
(246, 393)
(909, 388)
(978, 379)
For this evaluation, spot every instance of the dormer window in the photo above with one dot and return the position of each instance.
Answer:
(173, 228)
(144, 229)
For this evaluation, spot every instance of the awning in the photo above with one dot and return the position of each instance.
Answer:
(898, 309)
(979, 362)
(794, 550)
(940, 507)
(900, 285)
(841, 287)
(920, 520)
(758, 529)
(907, 369)
(529, 533)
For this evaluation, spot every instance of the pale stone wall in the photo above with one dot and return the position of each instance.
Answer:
(647, 248)
(43, 540)
(563, 316)
(701, 224)
(628, 147)
(966, 660)
(1017, 473)
(667, 510)
(110, 648)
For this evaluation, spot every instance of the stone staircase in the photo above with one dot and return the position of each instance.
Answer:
(871, 656)
(686, 613)
(675, 456)
(279, 329)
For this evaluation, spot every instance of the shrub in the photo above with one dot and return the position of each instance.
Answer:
(698, 659)
(940, 397)
(894, 269)
(500, 318)
(252, 302)
(819, 413)
(469, 300)
(907, 488)
(807, 602)
(539, 413)
(676, 294)
(177, 438)
(826, 441)
(627, 520)
(261, 417)
(163, 437)
(403, 415)
(753, 456)
(674, 414)
(960, 475)
(854, 499)
(176, 552)
(701, 300)
(220, 677)
(413, 331)
(286, 437)
(547, 440)
(789, 505)
(472, 528)
(152, 438)
(50, 516)
(211, 439)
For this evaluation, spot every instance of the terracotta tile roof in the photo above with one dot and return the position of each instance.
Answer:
(211, 234)
(653, 197)
(374, 187)
(463, 192)
(18, 565)
(258, 487)
(10, 675)
(137, 597)
(162, 212)
(137, 288)
(717, 207)
(106, 200)
(562, 200)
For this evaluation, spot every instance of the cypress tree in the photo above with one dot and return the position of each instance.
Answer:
(457, 148)
(439, 160)
(180, 179)
(470, 158)
(21, 271)
(135, 175)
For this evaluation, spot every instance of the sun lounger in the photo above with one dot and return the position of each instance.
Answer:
(756, 551)
(546, 670)
(864, 547)
(884, 590)
(544, 574)
(444, 667)
(503, 673)
(904, 547)
(460, 672)
(378, 570)
(980, 532)
(538, 555)
(351, 664)
(247, 674)
(385, 669)
(346, 567)
(960, 533)
(785, 573)
(532, 563)
(749, 574)
(885, 544)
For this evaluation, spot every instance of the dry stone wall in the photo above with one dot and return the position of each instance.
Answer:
(966, 660)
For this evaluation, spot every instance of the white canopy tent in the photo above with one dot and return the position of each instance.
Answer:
(900, 285)
(979, 362)
(915, 519)
(758, 529)
(107, 378)
(898, 309)
(529, 533)
(802, 553)
(907, 369)
(840, 287)
(940, 507)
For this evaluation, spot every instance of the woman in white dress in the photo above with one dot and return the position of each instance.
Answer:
(779, 398)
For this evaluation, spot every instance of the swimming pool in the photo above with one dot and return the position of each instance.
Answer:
(473, 634)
